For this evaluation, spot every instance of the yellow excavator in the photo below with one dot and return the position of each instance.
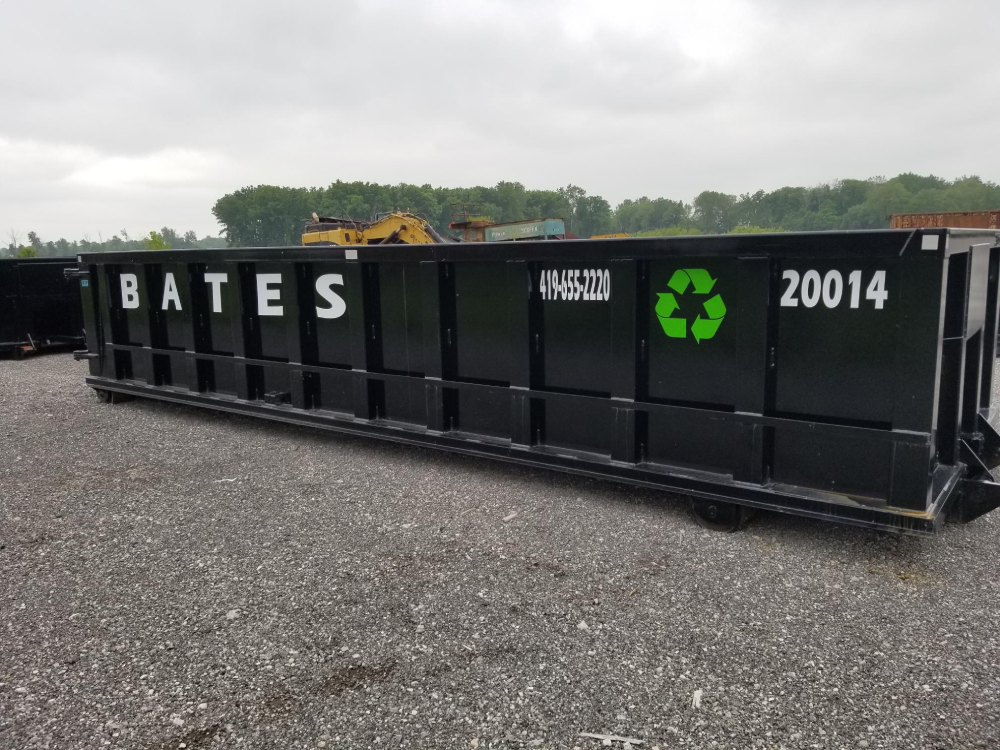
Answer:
(397, 228)
(402, 228)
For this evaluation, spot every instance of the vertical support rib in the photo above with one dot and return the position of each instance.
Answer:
(756, 339)
(990, 328)
(243, 315)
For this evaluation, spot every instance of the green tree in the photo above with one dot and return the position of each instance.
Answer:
(669, 232)
(358, 209)
(263, 216)
(745, 229)
(155, 241)
(27, 251)
(270, 215)
(572, 195)
(914, 183)
(850, 193)
(891, 197)
(750, 210)
(863, 216)
(635, 216)
(512, 200)
(713, 212)
(592, 216)
(546, 204)
(170, 237)
(588, 215)
(782, 204)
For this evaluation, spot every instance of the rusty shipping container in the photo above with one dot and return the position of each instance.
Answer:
(955, 219)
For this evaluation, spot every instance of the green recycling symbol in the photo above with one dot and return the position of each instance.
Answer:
(702, 327)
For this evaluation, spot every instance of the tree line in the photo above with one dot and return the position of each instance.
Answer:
(164, 239)
(269, 215)
(266, 215)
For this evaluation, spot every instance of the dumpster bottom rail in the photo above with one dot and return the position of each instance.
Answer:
(949, 485)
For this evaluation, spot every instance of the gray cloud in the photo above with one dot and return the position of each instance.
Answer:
(123, 114)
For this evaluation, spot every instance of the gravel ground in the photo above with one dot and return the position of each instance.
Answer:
(175, 578)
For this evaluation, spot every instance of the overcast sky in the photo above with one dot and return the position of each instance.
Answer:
(139, 114)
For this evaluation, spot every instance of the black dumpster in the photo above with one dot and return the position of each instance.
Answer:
(841, 375)
(39, 307)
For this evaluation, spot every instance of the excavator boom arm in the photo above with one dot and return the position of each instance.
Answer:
(395, 228)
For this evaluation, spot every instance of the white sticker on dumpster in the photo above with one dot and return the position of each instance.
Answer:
(130, 291)
(268, 293)
(810, 288)
(576, 285)
(170, 293)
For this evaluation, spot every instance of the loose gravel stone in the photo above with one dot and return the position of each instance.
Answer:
(380, 601)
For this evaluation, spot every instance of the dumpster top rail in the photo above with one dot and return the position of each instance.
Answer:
(882, 242)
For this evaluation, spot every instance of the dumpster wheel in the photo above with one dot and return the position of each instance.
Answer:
(718, 515)
(111, 397)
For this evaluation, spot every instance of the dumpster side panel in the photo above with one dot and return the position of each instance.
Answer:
(482, 328)
(574, 303)
(399, 328)
(39, 306)
(576, 425)
(837, 337)
(483, 413)
(11, 331)
(325, 312)
(831, 375)
(691, 439)
(330, 390)
(216, 307)
(127, 301)
(692, 312)
(856, 466)
(271, 290)
(170, 306)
